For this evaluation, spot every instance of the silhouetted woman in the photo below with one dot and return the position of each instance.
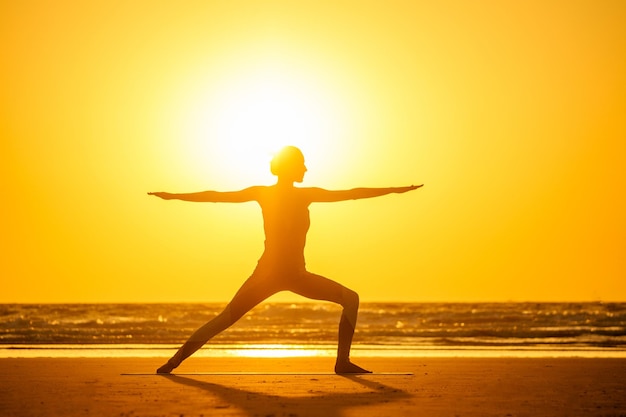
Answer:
(281, 267)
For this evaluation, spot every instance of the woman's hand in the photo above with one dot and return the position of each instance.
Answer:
(163, 195)
(409, 188)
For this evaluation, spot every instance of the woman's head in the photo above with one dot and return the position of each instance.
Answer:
(288, 163)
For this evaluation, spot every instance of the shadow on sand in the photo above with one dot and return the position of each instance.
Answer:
(313, 402)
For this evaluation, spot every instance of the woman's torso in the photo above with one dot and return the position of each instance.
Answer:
(285, 222)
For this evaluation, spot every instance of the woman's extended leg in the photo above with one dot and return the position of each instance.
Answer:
(251, 293)
(320, 288)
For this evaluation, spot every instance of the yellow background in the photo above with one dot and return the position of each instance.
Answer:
(511, 112)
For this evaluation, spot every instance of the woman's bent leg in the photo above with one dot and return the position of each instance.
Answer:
(252, 292)
(321, 288)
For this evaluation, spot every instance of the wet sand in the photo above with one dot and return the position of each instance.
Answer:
(438, 387)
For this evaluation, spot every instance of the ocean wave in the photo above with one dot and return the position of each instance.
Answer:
(447, 325)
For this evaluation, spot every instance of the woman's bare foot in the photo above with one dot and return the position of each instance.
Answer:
(167, 368)
(348, 367)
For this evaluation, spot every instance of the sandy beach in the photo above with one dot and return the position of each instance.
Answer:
(438, 387)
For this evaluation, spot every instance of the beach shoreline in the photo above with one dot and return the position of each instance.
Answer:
(286, 387)
(300, 350)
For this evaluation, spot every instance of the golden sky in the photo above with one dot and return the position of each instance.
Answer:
(511, 112)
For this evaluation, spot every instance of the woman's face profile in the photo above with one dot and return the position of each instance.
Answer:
(299, 172)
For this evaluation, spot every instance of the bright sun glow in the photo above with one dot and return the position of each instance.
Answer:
(238, 125)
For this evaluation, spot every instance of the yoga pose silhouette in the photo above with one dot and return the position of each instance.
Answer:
(285, 211)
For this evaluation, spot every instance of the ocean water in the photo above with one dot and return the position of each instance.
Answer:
(310, 329)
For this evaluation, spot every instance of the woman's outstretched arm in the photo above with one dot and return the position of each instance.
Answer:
(241, 196)
(322, 195)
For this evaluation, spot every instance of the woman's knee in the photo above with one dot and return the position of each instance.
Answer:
(349, 298)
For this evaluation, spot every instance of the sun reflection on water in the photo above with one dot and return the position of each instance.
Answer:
(279, 351)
